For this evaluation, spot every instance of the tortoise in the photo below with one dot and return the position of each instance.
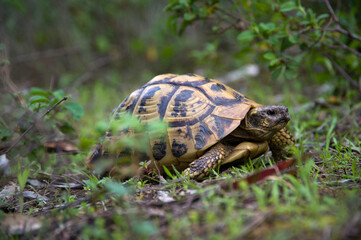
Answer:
(209, 124)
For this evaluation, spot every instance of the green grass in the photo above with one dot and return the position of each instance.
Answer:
(321, 202)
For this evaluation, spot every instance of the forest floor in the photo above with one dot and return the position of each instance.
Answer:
(317, 198)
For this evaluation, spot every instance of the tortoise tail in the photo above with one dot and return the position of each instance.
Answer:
(94, 156)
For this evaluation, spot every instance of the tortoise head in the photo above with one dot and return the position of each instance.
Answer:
(261, 123)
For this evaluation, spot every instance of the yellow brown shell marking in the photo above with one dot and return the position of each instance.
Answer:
(199, 112)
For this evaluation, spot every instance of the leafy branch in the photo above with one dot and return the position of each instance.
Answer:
(288, 35)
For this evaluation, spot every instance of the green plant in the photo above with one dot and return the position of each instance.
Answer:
(289, 39)
(19, 127)
(39, 98)
(22, 178)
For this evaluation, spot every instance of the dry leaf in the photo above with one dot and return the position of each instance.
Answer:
(33, 195)
(61, 146)
(164, 196)
(9, 191)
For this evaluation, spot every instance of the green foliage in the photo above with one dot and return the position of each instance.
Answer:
(42, 116)
(116, 188)
(290, 37)
(122, 124)
(22, 178)
(75, 109)
(100, 52)
(189, 11)
(40, 98)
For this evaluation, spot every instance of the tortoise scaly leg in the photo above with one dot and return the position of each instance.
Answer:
(222, 154)
(279, 144)
(210, 160)
(246, 150)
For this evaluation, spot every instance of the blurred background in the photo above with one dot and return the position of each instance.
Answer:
(305, 55)
(97, 53)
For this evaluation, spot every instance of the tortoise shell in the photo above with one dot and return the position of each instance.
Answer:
(199, 112)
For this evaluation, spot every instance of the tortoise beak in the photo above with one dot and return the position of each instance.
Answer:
(286, 118)
(285, 115)
(283, 120)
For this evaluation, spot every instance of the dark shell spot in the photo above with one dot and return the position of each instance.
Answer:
(148, 95)
(180, 108)
(130, 107)
(183, 96)
(108, 133)
(225, 101)
(185, 82)
(220, 125)
(218, 87)
(192, 121)
(239, 97)
(159, 150)
(202, 136)
(207, 80)
(117, 110)
(189, 132)
(162, 106)
(178, 149)
(163, 80)
(182, 111)
(221, 86)
(190, 74)
(164, 101)
(142, 109)
(215, 88)
(179, 131)
(167, 79)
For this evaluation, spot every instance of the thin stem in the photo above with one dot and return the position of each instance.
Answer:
(330, 9)
(344, 74)
(343, 46)
(27, 130)
(339, 26)
(343, 31)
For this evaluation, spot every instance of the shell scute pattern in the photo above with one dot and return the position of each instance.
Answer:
(128, 105)
(199, 112)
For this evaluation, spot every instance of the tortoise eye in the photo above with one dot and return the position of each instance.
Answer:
(271, 112)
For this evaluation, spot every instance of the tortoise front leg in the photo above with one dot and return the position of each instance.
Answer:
(210, 160)
(279, 144)
(246, 150)
(222, 154)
